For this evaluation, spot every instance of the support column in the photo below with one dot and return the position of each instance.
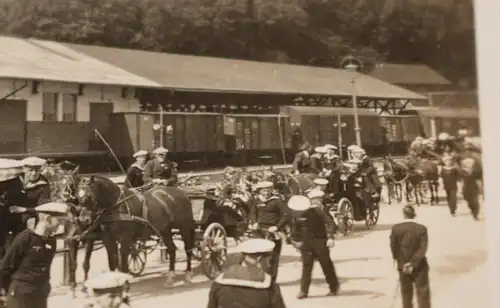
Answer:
(432, 120)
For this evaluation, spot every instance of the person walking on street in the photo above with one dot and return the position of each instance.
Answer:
(247, 285)
(408, 243)
(25, 268)
(472, 176)
(450, 175)
(108, 290)
(313, 236)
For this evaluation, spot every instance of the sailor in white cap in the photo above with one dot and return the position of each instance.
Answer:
(317, 160)
(471, 170)
(269, 213)
(109, 290)
(135, 172)
(160, 170)
(33, 190)
(25, 268)
(247, 284)
(313, 233)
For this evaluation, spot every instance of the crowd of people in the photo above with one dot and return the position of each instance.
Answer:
(33, 220)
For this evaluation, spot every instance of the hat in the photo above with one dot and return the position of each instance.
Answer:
(140, 153)
(321, 150)
(33, 162)
(330, 147)
(110, 282)
(264, 185)
(53, 208)
(355, 148)
(256, 245)
(443, 137)
(315, 193)
(463, 132)
(305, 146)
(160, 151)
(409, 211)
(299, 203)
(320, 181)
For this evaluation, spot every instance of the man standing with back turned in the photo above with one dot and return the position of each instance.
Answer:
(409, 245)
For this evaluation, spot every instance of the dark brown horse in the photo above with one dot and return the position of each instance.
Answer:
(395, 176)
(121, 215)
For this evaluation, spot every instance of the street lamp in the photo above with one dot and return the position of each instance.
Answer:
(340, 125)
(353, 64)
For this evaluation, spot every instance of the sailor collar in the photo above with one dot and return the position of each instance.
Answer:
(241, 276)
(137, 166)
(28, 185)
(264, 203)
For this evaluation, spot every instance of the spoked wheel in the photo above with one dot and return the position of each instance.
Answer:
(213, 250)
(137, 258)
(424, 191)
(345, 216)
(371, 218)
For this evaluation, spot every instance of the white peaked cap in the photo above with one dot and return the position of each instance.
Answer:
(108, 280)
(33, 161)
(299, 203)
(443, 136)
(320, 181)
(54, 208)
(256, 245)
(264, 185)
(330, 147)
(140, 153)
(160, 150)
(315, 193)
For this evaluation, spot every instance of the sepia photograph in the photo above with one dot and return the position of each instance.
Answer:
(206, 153)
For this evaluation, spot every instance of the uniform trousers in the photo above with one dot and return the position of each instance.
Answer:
(451, 197)
(275, 259)
(420, 281)
(23, 295)
(316, 249)
(472, 200)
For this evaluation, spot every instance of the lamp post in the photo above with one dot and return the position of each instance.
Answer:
(353, 64)
(162, 128)
(340, 125)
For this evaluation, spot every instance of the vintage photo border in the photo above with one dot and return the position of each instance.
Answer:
(488, 59)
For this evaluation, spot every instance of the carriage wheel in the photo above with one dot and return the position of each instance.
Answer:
(213, 248)
(137, 259)
(424, 191)
(371, 218)
(346, 216)
(150, 244)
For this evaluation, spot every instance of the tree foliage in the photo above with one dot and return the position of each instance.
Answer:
(319, 32)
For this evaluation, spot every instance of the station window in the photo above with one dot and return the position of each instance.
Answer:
(69, 102)
(50, 104)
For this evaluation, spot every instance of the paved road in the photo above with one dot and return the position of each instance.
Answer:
(363, 261)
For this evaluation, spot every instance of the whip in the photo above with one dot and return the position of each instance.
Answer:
(112, 153)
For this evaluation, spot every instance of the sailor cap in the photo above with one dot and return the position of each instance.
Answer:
(160, 151)
(443, 136)
(463, 132)
(315, 193)
(109, 282)
(320, 181)
(330, 147)
(256, 245)
(320, 150)
(140, 153)
(264, 185)
(355, 148)
(299, 203)
(53, 208)
(33, 161)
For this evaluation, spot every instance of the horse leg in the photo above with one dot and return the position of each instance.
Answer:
(89, 248)
(112, 250)
(436, 191)
(171, 249)
(390, 191)
(125, 245)
(408, 192)
(188, 237)
(416, 192)
(73, 262)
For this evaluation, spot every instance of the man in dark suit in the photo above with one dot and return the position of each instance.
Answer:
(409, 245)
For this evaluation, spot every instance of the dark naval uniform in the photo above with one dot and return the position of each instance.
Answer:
(25, 270)
(312, 231)
(164, 171)
(409, 246)
(135, 174)
(245, 287)
(316, 163)
(472, 175)
(272, 212)
(450, 174)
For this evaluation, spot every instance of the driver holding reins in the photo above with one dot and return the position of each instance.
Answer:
(160, 170)
(269, 212)
(367, 170)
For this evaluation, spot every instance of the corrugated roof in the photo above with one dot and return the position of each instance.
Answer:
(306, 110)
(408, 74)
(196, 73)
(44, 60)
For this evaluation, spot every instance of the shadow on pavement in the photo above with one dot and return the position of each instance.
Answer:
(360, 230)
